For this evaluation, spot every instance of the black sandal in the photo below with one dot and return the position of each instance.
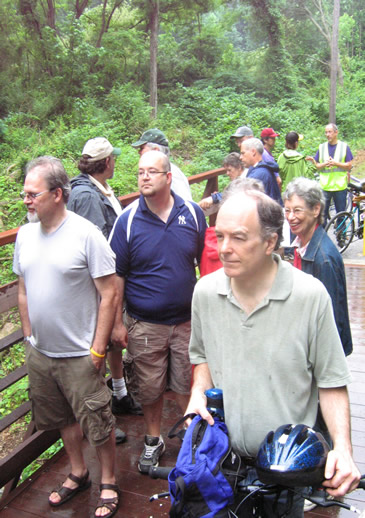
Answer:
(110, 503)
(66, 493)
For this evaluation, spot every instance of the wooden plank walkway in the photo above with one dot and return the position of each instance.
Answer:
(30, 499)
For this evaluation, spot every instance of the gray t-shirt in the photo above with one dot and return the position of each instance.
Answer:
(271, 362)
(58, 271)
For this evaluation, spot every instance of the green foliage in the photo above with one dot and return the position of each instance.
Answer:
(221, 65)
(12, 359)
(48, 454)
(14, 396)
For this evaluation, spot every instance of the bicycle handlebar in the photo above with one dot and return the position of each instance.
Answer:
(358, 187)
(362, 482)
(252, 486)
(161, 472)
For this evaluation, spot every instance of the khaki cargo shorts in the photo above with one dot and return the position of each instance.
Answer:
(157, 358)
(65, 390)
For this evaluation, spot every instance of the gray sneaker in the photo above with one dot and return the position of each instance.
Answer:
(152, 451)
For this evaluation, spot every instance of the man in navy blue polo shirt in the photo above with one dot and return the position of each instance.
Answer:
(158, 240)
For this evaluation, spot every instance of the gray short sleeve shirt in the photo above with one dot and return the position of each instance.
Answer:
(58, 271)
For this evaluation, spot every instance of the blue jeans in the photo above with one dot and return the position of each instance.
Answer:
(339, 198)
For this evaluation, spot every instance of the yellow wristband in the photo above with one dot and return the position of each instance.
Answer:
(96, 354)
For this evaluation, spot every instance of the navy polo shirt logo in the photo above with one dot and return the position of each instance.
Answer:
(182, 220)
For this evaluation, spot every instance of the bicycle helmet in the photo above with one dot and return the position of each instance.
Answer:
(293, 456)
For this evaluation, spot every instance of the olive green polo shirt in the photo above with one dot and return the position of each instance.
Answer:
(271, 362)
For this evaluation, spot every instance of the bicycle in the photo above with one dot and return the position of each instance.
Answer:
(275, 483)
(345, 225)
(251, 492)
(332, 209)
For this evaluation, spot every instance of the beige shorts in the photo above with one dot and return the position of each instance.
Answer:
(65, 390)
(157, 358)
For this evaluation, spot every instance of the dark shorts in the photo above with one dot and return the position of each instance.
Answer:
(65, 390)
(157, 358)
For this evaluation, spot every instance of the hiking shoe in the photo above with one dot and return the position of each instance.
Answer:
(126, 405)
(152, 451)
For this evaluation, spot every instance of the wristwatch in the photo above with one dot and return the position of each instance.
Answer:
(27, 339)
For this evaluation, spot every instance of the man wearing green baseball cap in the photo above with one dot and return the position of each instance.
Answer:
(155, 140)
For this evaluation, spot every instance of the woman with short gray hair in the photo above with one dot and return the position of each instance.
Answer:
(314, 251)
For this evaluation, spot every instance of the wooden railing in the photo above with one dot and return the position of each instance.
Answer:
(36, 442)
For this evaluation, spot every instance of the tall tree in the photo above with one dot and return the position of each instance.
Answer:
(166, 10)
(319, 13)
(153, 27)
(267, 16)
(334, 61)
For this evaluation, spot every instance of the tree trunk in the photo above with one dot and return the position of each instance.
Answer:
(334, 61)
(51, 14)
(153, 24)
(80, 7)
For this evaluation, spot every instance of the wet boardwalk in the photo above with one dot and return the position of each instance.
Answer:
(30, 499)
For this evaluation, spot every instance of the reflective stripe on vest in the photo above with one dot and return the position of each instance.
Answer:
(333, 178)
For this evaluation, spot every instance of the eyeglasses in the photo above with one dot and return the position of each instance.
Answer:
(150, 172)
(297, 211)
(32, 195)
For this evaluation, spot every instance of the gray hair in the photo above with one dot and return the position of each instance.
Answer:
(158, 147)
(270, 213)
(253, 143)
(54, 174)
(333, 126)
(242, 185)
(309, 191)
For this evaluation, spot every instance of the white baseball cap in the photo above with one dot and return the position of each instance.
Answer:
(99, 148)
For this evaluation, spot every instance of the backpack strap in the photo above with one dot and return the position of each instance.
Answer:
(173, 432)
(176, 510)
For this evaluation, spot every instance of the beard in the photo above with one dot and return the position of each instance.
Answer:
(33, 217)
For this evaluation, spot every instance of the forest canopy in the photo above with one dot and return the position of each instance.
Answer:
(76, 69)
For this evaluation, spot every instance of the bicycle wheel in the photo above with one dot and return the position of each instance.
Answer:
(341, 230)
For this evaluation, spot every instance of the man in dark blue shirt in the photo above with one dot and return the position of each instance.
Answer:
(158, 240)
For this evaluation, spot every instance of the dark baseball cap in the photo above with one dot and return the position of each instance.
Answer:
(243, 131)
(152, 135)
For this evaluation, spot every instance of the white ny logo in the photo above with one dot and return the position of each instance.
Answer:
(182, 220)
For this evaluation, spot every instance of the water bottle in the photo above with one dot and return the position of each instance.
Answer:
(215, 402)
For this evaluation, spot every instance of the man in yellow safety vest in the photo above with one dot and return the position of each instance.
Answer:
(334, 162)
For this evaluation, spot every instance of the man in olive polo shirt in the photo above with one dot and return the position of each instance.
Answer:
(264, 333)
